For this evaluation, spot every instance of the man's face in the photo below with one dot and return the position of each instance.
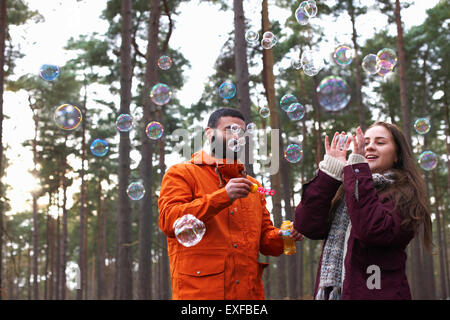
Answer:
(220, 136)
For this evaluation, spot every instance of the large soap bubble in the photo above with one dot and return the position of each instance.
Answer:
(333, 93)
(428, 160)
(189, 230)
(49, 72)
(293, 153)
(67, 117)
(161, 94)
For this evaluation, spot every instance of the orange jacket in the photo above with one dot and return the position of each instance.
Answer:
(223, 265)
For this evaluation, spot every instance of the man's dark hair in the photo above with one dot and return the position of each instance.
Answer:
(223, 112)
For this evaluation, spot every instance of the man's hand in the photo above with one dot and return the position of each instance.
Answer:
(238, 188)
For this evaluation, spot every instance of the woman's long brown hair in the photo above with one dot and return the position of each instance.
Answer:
(408, 192)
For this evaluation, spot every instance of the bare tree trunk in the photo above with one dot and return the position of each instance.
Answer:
(357, 68)
(146, 165)
(101, 244)
(125, 279)
(269, 85)
(3, 16)
(242, 75)
(62, 283)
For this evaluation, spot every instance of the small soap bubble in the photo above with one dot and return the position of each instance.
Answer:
(309, 7)
(312, 61)
(293, 153)
(422, 125)
(296, 111)
(234, 145)
(266, 43)
(227, 90)
(242, 141)
(154, 130)
(428, 160)
(235, 128)
(333, 93)
(287, 100)
(124, 122)
(343, 55)
(251, 36)
(388, 55)
(99, 147)
(301, 16)
(165, 62)
(189, 230)
(136, 191)
(251, 128)
(67, 117)
(371, 64)
(264, 112)
(49, 72)
(296, 63)
(161, 94)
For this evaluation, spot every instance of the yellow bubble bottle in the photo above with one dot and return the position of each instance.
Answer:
(289, 243)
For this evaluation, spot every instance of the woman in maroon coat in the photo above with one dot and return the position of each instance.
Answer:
(367, 209)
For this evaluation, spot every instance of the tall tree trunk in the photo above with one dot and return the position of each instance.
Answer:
(269, 85)
(442, 277)
(62, 283)
(242, 75)
(146, 165)
(101, 243)
(3, 15)
(125, 282)
(357, 68)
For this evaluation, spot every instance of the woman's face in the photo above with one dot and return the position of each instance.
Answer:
(380, 151)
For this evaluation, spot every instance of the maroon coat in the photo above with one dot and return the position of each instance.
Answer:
(376, 237)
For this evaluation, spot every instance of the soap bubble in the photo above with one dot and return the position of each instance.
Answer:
(136, 191)
(267, 43)
(371, 64)
(422, 125)
(242, 141)
(49, 72)
(67, 117)
(124, 122)
(154, 130)
(313, 61)
(385, 67)
(235, 128)
(296, 63)
(160, 94)
(264, 112)
(287, 100)
(293, 153)
(165, 62)
(301, 16)
(296, 111)
(251, 128)
(189, 230)
(333, 93)
(227, 90)
(251, 36)
(99, 147)
(309, 7)
(388, 55)
(234, 145)
(428, 160)
(343, 55)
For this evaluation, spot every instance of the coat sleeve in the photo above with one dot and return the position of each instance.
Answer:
(373, 222)
(176, 199)
(271, 243)
(312, 214)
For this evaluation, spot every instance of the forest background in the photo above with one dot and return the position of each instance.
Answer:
(65, 212)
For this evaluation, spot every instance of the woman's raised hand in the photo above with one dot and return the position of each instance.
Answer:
(338, 147)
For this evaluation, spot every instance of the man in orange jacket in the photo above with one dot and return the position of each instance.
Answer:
(216, 190)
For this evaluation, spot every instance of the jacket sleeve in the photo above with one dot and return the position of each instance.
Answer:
(373, 222)
(312, 214)
(271, 243)
(176, 199)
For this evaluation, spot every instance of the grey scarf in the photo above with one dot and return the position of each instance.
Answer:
(333, 252)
